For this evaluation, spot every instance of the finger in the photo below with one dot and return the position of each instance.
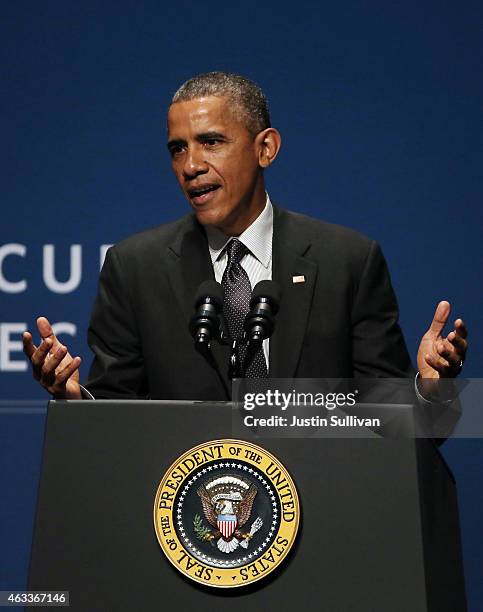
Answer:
(440, 317)
(460, 328)
(45, 329)
(458, 342)
(56, 356)
(448, 352)
(38, 357)
(67, 372)
(29, 347)
(437, 363)
(49, 366)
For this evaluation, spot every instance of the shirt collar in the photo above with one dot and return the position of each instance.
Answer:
(257, 237)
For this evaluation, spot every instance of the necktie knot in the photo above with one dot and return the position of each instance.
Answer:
(235, 250)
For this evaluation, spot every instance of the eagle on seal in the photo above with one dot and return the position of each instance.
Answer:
(227, 506)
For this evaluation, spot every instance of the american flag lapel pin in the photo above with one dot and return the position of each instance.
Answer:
(298, 279)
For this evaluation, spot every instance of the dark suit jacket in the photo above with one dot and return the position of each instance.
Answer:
(341, 322)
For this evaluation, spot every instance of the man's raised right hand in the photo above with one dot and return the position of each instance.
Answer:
(52, 364)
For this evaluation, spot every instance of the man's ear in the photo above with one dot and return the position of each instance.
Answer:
(268, 143)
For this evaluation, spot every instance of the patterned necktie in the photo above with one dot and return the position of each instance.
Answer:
(236, 305)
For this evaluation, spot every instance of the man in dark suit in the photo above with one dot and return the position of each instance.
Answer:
(338, 314)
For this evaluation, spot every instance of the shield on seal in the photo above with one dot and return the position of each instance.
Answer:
(227, 524)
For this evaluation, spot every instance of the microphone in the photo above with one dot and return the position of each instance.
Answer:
(259, 322)
(205, 323)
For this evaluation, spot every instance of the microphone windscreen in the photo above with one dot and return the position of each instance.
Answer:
(267, 289)
(211, 289)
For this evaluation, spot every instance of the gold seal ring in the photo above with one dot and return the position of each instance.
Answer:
(226, 513)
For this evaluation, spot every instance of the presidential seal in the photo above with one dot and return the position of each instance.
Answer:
(226, 513)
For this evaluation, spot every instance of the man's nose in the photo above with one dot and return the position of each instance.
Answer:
(194, 163)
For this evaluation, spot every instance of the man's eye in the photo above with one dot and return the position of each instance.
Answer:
(176, 150)
(212, 142)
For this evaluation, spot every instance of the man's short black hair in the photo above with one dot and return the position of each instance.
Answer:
(247, 101)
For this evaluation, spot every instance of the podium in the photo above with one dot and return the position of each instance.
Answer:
(379, 525)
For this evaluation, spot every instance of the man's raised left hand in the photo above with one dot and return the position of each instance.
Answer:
(438, 356)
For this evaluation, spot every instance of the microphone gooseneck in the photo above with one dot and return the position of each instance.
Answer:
(205, 324)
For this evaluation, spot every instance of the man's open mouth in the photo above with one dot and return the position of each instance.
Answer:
(196, 192)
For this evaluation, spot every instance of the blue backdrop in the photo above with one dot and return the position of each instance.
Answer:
(379, 106)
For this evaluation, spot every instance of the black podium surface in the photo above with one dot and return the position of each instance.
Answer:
(379, 528)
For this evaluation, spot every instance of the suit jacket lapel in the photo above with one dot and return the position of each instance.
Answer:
(289, 259)
(190, 265)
